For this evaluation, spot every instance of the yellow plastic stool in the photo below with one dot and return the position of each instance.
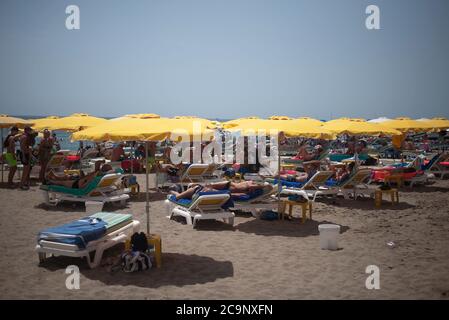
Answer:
(394, 194)
(304, 207)
(154, 240)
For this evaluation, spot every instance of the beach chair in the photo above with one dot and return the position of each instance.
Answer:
(55, 164)
(212, 173)
(193, 174)
(87, 240)
(258, 200)
(203, 206)
(435, 167)
(315, 186)
(101, 189)
(357, 184)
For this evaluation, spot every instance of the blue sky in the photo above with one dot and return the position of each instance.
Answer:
(225, 59)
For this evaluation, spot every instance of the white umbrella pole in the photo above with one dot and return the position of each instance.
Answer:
(147, 196)
(3, 159)
(279, 175)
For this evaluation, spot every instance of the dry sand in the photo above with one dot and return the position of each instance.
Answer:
(254, 260)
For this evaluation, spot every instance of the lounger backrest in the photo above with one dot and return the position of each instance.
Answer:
(318, 179)
(194, 171)
(359, 177)
(56, 161)
(210, 169)
(435, 160)
(210, 202)
(108, 180)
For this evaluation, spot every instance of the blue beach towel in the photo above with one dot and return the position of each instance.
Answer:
(78, 233)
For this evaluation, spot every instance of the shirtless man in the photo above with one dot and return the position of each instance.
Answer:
(25, 155)
(10, 156)
(236, 188)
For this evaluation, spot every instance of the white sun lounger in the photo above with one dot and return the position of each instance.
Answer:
(314, 187)
(102, 191)
(46, 248)
(204, 207)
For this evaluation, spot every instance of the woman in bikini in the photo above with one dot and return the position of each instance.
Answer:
(78, 182)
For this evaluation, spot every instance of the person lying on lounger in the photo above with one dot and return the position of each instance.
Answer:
(79, 182)
(236, 188)
(341, 174)
(299, 176)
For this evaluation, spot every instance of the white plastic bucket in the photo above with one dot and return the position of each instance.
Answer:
(329, 236)
(93, 207)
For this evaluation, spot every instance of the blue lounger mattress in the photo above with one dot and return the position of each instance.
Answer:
(85, 230)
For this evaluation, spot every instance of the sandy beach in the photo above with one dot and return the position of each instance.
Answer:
(254, 260)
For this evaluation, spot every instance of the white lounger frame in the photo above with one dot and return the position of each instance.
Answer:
(45, 248)
(205, 207)
(109, 193)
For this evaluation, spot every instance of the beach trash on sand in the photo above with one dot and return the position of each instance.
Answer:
(329, 236)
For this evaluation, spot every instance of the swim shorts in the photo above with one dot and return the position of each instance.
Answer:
(10, 159)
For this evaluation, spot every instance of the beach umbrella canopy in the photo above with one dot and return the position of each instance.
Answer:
(280, 118)
(344, 119)
(146, 129)
(309, 121)
(379, 120)
(74, 122)
(8, 122)
(290, 128)
(436, 123)
(358, 127)
(405, 125)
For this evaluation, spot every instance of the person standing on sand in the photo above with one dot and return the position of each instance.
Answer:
(10, 156)
(44, 153)
(25, 157)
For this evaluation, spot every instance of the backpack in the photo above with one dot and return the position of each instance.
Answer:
(139, 242)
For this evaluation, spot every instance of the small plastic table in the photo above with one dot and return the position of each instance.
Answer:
(305, 206)
(394, 194)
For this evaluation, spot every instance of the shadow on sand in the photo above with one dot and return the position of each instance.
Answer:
(177, 270)
(205, 225)
(368, 204)
(154, 195)
(285, 228)
(68, 206)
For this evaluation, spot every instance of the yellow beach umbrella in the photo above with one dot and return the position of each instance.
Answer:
(405, 125)
(146, 129)
(280, 118)
(290, 128)
(310, 121)
(436, 123)
(130, 128)
(344, 120)
(8, 122)
(358, 127)
(74, 122)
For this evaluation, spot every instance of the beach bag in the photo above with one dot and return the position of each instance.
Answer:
(139, 242)
(135, 261)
